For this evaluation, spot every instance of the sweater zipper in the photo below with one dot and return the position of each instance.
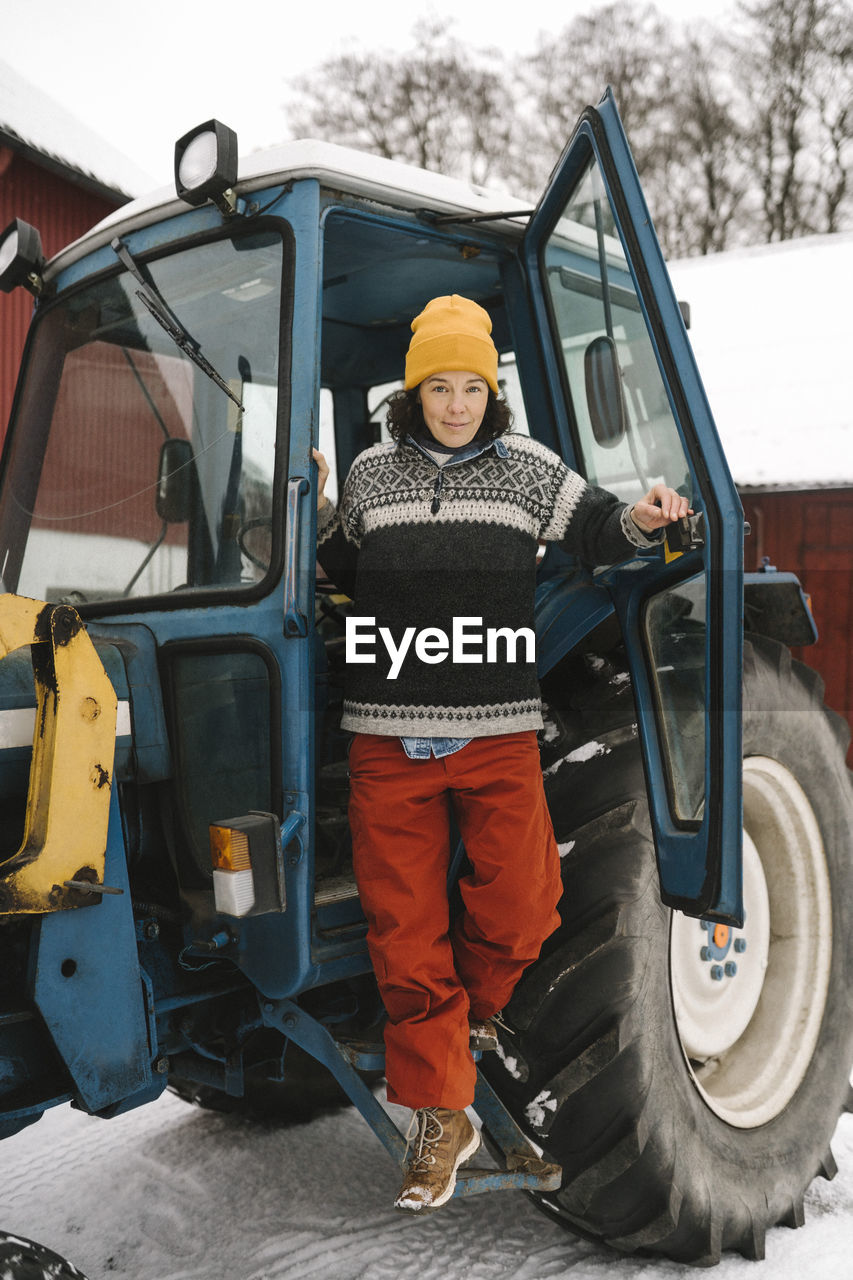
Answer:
(439, 481)
(436, 493)
(435, 505)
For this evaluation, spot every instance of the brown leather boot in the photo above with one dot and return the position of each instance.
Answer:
(443, 1141)
(482, 1034)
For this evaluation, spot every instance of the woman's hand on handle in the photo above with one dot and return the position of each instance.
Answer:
(661, 506)
(322, 477)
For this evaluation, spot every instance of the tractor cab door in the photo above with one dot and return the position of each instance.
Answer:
(630, 411)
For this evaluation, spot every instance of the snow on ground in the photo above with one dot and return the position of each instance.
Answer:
(169, 1192)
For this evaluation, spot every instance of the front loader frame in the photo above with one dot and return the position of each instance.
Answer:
(60, 863)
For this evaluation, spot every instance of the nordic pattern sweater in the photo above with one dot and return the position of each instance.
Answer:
(417, 546)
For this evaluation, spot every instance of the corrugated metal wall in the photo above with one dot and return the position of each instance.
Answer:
(61, 212)
(810, 533)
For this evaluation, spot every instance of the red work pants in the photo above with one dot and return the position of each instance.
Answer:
(431, 973)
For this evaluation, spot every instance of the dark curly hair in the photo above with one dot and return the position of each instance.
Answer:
(405, 416)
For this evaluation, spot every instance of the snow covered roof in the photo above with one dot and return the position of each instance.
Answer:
(334, 166)
(770, 327)
(31, 120)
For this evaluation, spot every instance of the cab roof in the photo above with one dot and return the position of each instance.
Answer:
(357, 173)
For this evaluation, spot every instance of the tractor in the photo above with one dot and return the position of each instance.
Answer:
(177, 902)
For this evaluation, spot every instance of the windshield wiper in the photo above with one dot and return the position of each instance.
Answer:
(153, 300)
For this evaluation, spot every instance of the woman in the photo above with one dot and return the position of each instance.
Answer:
(435, 540)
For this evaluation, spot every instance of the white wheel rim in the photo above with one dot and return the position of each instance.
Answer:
(748, 1003)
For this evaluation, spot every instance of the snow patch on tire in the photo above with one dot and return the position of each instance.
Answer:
(535, 1110)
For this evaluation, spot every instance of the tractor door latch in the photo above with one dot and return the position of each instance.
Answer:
(686, 534)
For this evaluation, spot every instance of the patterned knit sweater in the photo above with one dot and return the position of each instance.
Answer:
(440, 563)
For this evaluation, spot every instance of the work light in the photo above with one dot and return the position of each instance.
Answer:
(206, 165)
(21, 257)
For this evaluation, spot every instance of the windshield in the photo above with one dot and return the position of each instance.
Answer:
(131, 473)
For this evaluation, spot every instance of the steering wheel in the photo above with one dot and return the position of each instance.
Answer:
(260, 522)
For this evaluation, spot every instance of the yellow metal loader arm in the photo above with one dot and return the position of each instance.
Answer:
(65, 832)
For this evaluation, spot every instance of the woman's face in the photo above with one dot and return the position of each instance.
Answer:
(453, 405)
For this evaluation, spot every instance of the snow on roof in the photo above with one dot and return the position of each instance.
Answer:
(39, 123)
(770, 329)
(334, 166)
(369, 174)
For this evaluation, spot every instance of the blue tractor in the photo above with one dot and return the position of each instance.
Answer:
(177, 904)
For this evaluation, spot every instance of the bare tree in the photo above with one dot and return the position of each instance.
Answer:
(833, 97)
(434, 106)
(720, 165)
(795, 59)
(622, 45)
(737, 139)
(700, 179)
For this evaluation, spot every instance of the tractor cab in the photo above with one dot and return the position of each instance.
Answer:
(185, 357)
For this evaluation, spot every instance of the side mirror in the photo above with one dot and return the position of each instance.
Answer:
(604, 398)
(174, 481)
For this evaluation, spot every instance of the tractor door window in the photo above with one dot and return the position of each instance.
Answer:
(675, 631)
(222, 769)
(627, 441)
(594, 305)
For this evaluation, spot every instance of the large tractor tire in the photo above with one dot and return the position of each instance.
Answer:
(689, 1078)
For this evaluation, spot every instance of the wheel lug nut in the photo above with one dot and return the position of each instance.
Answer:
(740, 945)
(704, 954)
(731, 968)
(717, 972)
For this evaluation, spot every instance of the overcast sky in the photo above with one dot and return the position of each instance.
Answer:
(143, 74)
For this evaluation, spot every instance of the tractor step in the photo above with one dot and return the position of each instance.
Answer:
(474, 1181)
(364, 1055)
(369, 1055)
(524, 1169)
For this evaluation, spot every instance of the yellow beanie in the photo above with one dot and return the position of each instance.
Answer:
(451, 334)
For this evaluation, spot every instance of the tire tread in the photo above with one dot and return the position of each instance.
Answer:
(589, 1019)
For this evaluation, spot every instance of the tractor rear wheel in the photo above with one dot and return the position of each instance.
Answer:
(687, 1077)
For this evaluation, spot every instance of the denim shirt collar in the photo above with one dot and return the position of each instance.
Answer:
(472, 450)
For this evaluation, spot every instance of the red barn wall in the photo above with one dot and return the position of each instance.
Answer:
(60, 211)
(810, 533)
